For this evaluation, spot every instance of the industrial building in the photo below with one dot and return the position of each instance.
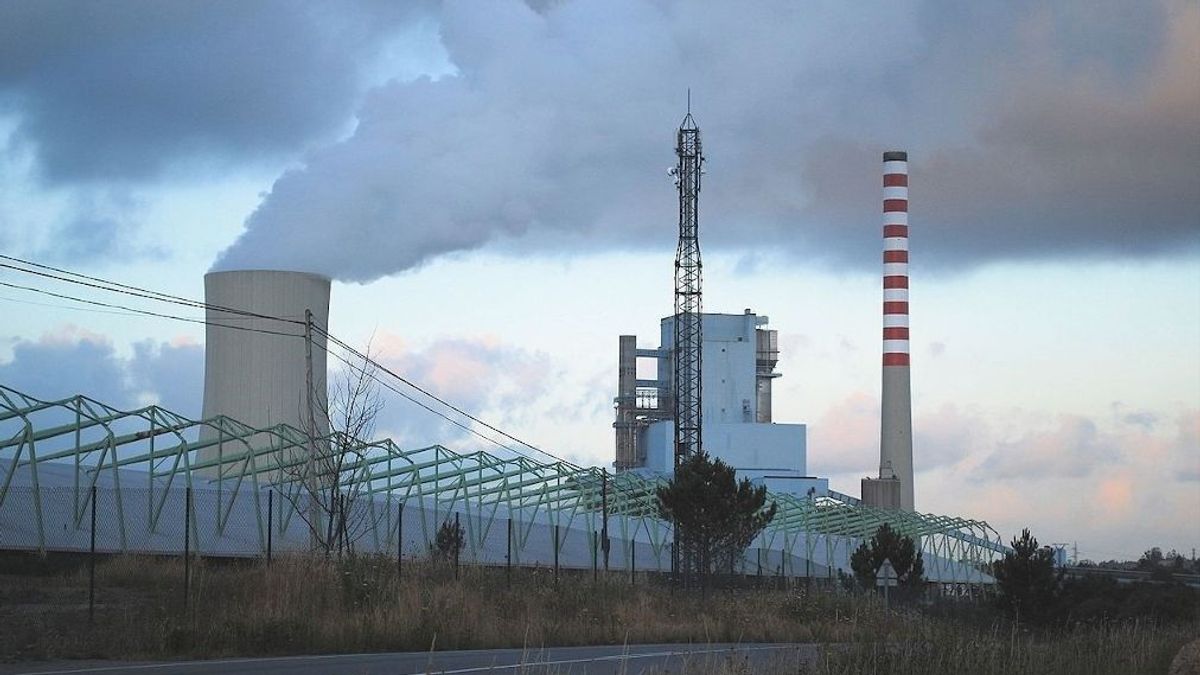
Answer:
(221, 482)
(739, 357)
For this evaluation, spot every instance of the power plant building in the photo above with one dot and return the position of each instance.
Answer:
(219, 484)
(739, 356)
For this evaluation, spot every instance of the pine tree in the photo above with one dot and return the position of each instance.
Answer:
(887, 544)
(1026, 579)
(715, 515)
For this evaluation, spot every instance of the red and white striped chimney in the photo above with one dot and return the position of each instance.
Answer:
(895, 443)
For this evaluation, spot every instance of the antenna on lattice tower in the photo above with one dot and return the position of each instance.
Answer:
(686, 353)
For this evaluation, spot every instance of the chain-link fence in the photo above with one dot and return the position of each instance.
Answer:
(225, 523)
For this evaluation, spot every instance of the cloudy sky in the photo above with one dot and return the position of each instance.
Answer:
(485, 182)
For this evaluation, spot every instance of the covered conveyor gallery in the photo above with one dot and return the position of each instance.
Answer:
(143, 470)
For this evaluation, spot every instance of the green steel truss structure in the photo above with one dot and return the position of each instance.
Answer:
(95, 442)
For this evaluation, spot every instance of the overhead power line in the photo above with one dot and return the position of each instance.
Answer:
(464, 413)
(411, 399)
(127, 311)
(101, 284)
(145, 312)
(54, 305)
(116, 287)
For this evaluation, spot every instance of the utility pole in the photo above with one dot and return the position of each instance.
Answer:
(308, 370)
(310, 461)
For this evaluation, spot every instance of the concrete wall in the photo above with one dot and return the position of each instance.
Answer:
(729, 381)
(756, 451)
(762, 448)
(895, 440)
(881, 493)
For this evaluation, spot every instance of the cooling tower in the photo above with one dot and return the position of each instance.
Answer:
(256, 369)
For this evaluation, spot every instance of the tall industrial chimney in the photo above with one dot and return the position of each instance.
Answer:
(894, 488)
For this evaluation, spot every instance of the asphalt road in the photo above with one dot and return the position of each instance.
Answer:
(625, 660)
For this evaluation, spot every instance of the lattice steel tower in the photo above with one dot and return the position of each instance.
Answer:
(685, 356)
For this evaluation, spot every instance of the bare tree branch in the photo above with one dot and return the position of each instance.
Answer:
(327, 481)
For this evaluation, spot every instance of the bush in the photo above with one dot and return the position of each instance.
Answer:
(887, 544)
(448, 543)
(1098, 599)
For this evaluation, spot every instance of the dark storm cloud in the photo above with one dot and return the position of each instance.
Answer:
(1082, 151)
(41, 367)
(172, 373)
(1027, 138)
(71, 362)
(84, 237)
(121, 90)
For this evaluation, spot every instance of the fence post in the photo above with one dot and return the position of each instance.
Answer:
(604, 524)
(508, 556)
(270, 522)
(400, 541)
(676, 572)
(632, 562)
(595, 556)
(187, 542)
(556, 555)
(92, 565)
(457, 544)
(674, 567)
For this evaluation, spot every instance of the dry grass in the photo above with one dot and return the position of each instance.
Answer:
(303, 605)
(1118, 649)
(307, 605)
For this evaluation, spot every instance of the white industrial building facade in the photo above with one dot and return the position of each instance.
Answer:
(739, 355)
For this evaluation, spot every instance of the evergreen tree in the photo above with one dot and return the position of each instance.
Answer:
(715, 516)
(887, 544)
(1026, 579)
